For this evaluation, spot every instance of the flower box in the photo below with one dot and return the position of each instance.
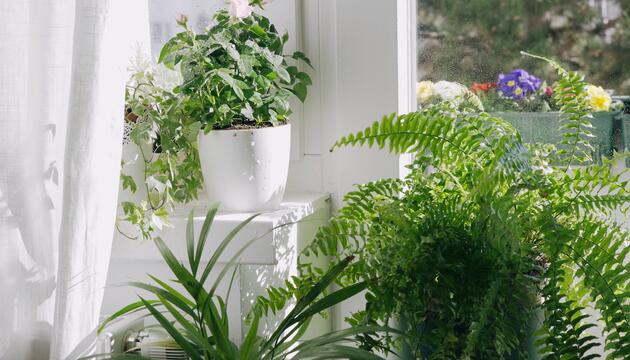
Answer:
(544, 127)
(625, 131)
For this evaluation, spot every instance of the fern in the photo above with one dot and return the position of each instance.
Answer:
(482, 232)
(569, 93)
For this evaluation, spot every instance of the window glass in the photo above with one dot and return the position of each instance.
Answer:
(162, 15)
(473, 41)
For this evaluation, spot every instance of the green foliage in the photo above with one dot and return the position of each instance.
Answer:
(569, 93)
(483, 234)
(473, 41)
(197, 319)
(168, 154)
(234, 75)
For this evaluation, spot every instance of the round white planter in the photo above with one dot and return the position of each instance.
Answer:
(246, 170)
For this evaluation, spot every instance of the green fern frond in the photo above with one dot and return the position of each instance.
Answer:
(563, 333)
(570, 95)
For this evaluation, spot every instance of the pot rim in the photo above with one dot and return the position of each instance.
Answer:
(250, 129)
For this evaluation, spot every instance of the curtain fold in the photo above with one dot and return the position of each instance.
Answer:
(62, 76)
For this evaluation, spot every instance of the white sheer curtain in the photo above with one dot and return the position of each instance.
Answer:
(62, 74)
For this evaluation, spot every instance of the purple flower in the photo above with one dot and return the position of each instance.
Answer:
(517, 84)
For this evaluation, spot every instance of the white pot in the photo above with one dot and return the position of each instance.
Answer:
(246, 170)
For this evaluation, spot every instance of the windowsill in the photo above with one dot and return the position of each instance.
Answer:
(295, 208)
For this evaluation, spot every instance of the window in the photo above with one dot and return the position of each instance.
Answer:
(163, 13)
(473, 41)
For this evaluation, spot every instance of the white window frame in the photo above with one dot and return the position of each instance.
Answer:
(364, 52)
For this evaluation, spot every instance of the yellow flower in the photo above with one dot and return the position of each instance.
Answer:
(598, 98)
(424, 91)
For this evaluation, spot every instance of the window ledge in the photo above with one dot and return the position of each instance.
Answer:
(267, 226)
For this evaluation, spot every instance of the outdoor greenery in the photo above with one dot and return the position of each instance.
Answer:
(474, 41)
(234, 75)
(197, 319)
(484, 236)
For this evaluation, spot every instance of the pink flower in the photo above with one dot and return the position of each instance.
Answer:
(548, 91)
(240, 8)
(181, 19)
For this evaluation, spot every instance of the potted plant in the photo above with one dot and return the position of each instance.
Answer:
(489, 244)
(528, 103)
(219, 99)
(191, 311)
(236, 87)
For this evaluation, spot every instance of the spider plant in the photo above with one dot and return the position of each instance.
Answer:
(197, 318)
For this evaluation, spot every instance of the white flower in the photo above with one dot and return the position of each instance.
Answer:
(424, 91)
(166, 78)
(240, 8)
(450, 91)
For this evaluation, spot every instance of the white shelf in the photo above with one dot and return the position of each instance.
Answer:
(295, 208)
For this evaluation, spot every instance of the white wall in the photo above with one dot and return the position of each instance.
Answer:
(360, 79)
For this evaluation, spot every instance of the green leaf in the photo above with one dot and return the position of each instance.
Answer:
(203, 236)
(128, 182)
(331, 300)
(222, 246)
(131, 308)
(300, 91)
(175, 299)
(298, 55)
(304, 78)
(183, 276)
(190, 241)
(247, 347)
(259, 31)
(176, 335)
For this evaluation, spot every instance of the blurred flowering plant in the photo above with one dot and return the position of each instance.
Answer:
(518, 84)
(515, 91)
(519, 90)
(428, 92)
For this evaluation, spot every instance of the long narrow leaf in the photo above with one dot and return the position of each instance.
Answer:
(340, 335)
(175, 334)
(192, 331)
(247, 345)
(190, 241)
(336, 351)
(312, 294)
(203, 235)
(131, 308)
(330, 300)
(234, 258)
(173, 291)
(215, 257)
(161, 293)
(217, 330)
(183, 275)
